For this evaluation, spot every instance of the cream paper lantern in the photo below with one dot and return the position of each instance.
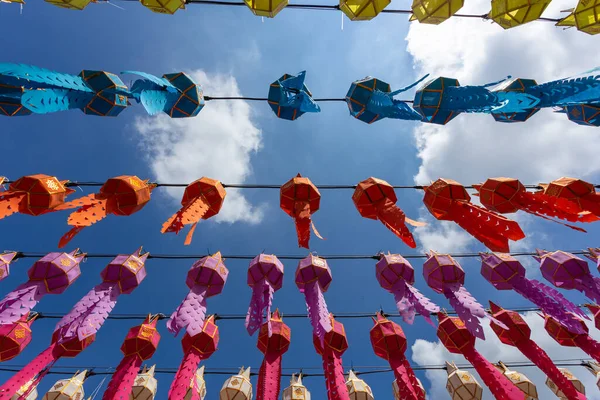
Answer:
(576, 382)
(198, 384)
(68, 389)
(144, 386)
(238, 387)
(396, 390)
(519, 380)
(594, 368)
(357, 388)
(296, 390)
(33, 393)
(462, 385)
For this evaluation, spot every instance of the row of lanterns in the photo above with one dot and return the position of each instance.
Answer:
(570, 199)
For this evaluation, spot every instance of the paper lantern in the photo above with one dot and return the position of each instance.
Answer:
(266, 8)
(357, 388)
(519, 380)
(595, 310)
(27, 392)
(511, 13)
(123, 196)
(574, 381)
(296, 390)
(396, 390)
(375, 199)
(331, 349)
(68, 389)
(139, 345)
(110, 93)
(273, 341)
(448, 200)
(580, 196)
(237, 387)
(289, 97)
(5, 259)
(164, 6)
(594, 368)
(457, 339)
(51, 274)
(313, 278)
(515, 85)
(566, 338)
(395, 274)
(430, 97)
(205, 279)
(20, 2)
(363, 10)
(202, 199)
(518, 334)
(585, 16)
(505, 272)
(584, 114)
(462, 385)
(265, 277)
(196, 348)
(71, 4)
(15, 337)
(434, 12)
(300, 199)
(145, 385)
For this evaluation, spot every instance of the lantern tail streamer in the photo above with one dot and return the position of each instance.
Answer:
(9, 203)
(467, 308)
(500, 386)
(80, 202)
(269, 377)
(317, 311)
(189, 214)
(540, 203)
(20, 301)
(539, 357)
(422, 304)
(405, 306)
(413, 380)
(404, 381)
(589, 345)
(90, 213)
(334, 375)
(184, 376)
(123, 379)
(262, 298)
(395, 220)
(190, 313)
(67, 237)
(303, 223)
(558, 296)
(590, 286)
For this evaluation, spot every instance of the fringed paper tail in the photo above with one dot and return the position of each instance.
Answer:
(9, 203)
(260, 303)
(302, 221)
(190, 314)
(334, 375)
(190, 214)
(467, 308)
(405, 384)
(589, 346)
(269, 377)
(184, 376)
(123, 379)
(422, 304)
(590, 286)
(395, 220)
(20, 301)
(317, 310)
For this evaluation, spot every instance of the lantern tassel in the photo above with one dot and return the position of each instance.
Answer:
(395, 220)
(467, 308)
(123, 379)
(20, 301)
(9, 203)
(317, 310)
(262, 298)
(185, 375)
(422, 304)
(269, 377)
(190, 313)
(405, 384)
(191, 213)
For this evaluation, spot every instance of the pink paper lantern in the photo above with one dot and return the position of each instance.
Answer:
(265, 277)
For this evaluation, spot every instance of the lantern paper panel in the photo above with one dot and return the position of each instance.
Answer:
(358, 388)
(15, 337)
(5, 259)
(288, 97)
(266, 8)
(145, 385)
(197, 385)
(71, 4)
(462, 385)
(511, 13)
(434, 12)
(398, 396)
(237, 387)
(363, 10)
(164, 6)
(296, 390)
(585, 16)
(300, 198)
(68, 389)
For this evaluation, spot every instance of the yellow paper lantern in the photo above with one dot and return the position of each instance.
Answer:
(586, 17)
(13, 1)
(266, 8)
(511, 13)
(363, 10)
(164, 6)
(434, 11)
(71, 4)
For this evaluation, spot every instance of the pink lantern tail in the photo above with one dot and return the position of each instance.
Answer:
(467, 308)
(422, 304)
(334, 375)
(588, 345)
(590, 286)
(500, 386)
(20, 301)
(413, 380)
(269, 377)
(35, 367)
(405, 307)
(123, 379)
(548, 302)
(262, 298)
(184, 376)
(559, 298)
(89, 314)
(539, 357)
(404, 381)
(317, 310)
(190, 313)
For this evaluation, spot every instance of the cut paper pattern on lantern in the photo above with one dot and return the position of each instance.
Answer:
(520, 381)
(461, 384)
(567, 271)
(505, 272)
(508, 195)
(434, 12)
(296, 390)
(145, 385)
(68, 389)
(202, 199)
(375, 199)
(357, 388)
(331, 349)
(457, 339)
(237, 387)
(395, 274)
(585, 16)
(15, 337)
(265, 277)
(51, 274)
(197, 347)
(5, 259)
(139, 345)
(313, 278)
(300, 198)
(164, 6)
(511, 13)
(363, 10)
(289, 97)
(445, 276)
(447, 200)
(266, 8)
(577, 196)
(273, 341)
(389, 342)
(205, 279)
(122, 196)
(569, 339)
(574, 381)
(518, 335)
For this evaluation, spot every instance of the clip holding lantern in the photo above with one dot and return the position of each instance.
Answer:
(237, 387)
(5, 259)
(300, 198)
(202, 199)
(265, 277)
(574, 381)
(296, 390)
(462, 385)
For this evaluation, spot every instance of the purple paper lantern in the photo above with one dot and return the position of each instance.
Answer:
(265, 277)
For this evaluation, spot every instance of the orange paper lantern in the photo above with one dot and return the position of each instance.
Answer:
(300, 198)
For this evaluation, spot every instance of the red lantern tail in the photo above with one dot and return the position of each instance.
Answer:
(269, 377)
(490, 228)
(395, 220)
(185, 375)
(191, 213)
(9, 203)
(591, 203)
(80, 202)
(67, 237)
(588, 345)
(544, 206)
(402, 372)
(123, 379)
(302, 220)
(89, 214)
(334, 375)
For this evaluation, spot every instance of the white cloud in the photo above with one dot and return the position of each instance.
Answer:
(429, 353)
(218, 144)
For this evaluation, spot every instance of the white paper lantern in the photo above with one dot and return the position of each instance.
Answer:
(594, 368)
(357, 388)
(68, 389)
(199, 385)
(238, 387)
(33, 393)
(296, 390)
(462, 385)
(576, 382)
(144, 386)
(519, 380)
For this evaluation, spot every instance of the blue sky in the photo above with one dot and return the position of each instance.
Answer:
(249, 144)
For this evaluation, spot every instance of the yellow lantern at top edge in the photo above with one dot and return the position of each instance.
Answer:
(13, 1)
(511, 13)
(266, 8)
(586, 17)
(71, 4)
(164, 6)
(363, 10)
(434, 11)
